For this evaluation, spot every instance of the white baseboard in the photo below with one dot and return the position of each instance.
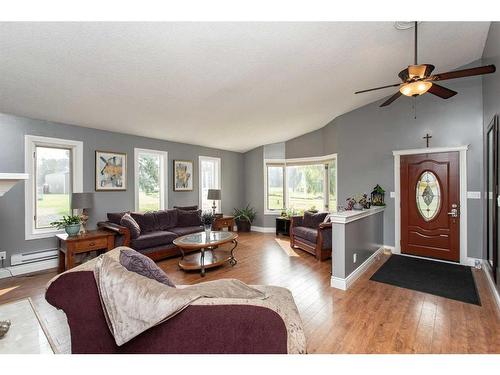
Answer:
(28, 268)
(344, 284)
(491, 283)
(263, 229)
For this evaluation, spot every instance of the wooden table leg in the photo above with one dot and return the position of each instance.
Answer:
(70, 260)
(62, 261)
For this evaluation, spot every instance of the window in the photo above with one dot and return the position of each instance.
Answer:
(275, 193)
(55, 171)
(210, 178)
(301, 184)
(150, 168)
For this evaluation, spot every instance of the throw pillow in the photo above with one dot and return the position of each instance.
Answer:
(146, 221)
(115, 217)
(136, 262)
(186, 208)
(188, 218)
(313, 220)
(129, 222)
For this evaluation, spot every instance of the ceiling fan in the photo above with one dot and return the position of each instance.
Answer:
(417, 79)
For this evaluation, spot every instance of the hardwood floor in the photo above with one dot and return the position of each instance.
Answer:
(370, 317)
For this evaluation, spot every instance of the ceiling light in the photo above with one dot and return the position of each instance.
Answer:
(415, 88)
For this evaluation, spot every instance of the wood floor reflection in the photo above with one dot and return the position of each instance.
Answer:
(370, 317)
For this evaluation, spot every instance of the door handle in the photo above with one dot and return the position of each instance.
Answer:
(453, 212)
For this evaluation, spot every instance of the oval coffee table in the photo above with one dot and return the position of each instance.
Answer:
(212, 252)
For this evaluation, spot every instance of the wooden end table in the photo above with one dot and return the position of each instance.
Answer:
(222, 222)
(93, 240)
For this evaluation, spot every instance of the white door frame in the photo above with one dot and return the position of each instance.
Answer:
(463, 194)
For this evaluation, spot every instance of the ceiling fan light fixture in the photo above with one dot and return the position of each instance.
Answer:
(415, 88)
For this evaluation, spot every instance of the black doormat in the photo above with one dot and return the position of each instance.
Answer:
(441, 279)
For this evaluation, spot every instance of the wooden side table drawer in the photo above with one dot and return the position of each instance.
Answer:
(91, 244)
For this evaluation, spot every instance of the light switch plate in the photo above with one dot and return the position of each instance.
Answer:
(392, 194)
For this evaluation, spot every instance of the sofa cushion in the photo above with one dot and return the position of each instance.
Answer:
(306, 233)
(152, 239)
(188, 218)
(146, 220)
(187, 208)
(166, 219)
(144, 266)
(313, 220)
(129, 222)
(182, 231)
(115, 217)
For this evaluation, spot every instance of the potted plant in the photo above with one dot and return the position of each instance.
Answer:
(71, 224)
(244, 218)
(207, 218)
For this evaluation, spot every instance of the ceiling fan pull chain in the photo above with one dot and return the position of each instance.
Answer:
(415, 107)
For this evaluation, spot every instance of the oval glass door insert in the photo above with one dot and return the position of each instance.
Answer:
(428, 195)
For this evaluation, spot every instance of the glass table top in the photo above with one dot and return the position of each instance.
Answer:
(201, 238)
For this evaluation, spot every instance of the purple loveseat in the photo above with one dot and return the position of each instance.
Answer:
(158, 230)
(215, 329)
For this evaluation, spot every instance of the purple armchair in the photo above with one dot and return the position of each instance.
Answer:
(312, 233)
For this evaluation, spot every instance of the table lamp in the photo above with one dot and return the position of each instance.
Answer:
(214, 194)
(82, 201)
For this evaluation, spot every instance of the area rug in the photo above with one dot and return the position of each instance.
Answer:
(447, 280)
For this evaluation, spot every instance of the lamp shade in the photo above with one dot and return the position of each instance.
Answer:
(214, 194)
(82, 200)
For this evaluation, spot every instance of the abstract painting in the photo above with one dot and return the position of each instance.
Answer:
(110, 171)
(183, 175)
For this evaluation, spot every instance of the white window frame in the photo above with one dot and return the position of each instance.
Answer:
(30, 144)
(200, 180)
(292, 162)
(163, 176)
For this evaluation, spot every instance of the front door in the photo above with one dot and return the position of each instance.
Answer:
(430, 205)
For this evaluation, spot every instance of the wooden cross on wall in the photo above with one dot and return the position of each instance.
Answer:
(427, 137)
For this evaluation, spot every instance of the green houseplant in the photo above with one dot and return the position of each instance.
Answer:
(244, 218)
(71, 224)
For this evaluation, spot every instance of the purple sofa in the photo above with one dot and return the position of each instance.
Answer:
(216, 329)
(158, 230)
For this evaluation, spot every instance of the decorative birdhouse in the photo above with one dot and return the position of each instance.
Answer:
(378, 195)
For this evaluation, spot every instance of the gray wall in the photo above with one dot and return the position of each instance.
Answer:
(12, 132)
(362, 237)
(491, 92)
(365, 138)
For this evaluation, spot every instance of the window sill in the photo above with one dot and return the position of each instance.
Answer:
(41, 235)
(272, 213)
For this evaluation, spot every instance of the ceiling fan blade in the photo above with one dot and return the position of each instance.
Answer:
(391, 99)
(378, 88)
(487, 69)
(404, 75)
(441, 91)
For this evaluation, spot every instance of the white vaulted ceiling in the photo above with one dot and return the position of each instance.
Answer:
(232, 86)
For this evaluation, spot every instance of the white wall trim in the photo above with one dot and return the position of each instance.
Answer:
(463, 194)
(430, 150)
(28, 268)
(263, 229)
(200, 181)
(344, 284)
(163, 177)
(491, 283)
(30, 141)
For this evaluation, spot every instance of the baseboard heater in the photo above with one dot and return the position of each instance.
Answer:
(33, 256)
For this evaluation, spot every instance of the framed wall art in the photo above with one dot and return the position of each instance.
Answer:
(183, 175)
(110, 171)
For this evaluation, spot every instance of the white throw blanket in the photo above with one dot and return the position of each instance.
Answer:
(133, 303)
